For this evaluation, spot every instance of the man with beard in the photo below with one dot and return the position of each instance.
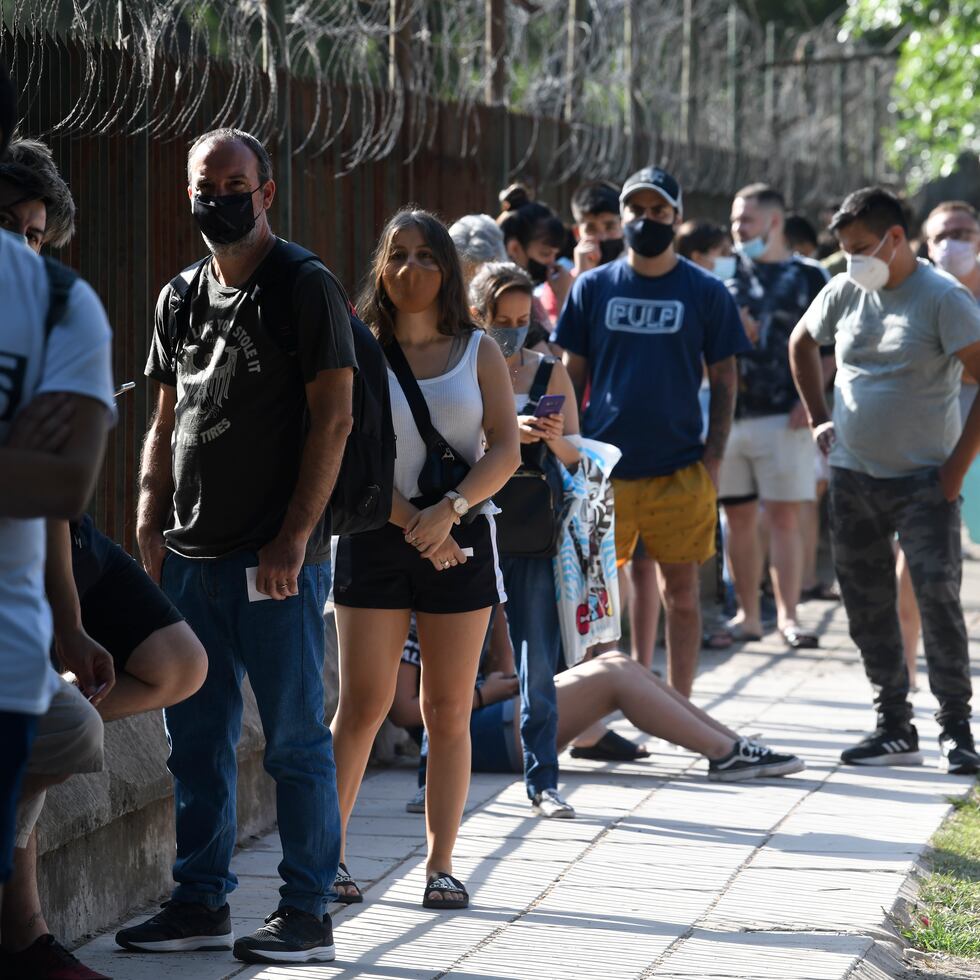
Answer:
(639, 332)
(252, 416)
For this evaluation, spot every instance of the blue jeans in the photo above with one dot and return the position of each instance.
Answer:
(16, 735)
(279, 644)
(532, 619)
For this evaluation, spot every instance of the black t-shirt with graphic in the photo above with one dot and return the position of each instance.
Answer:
(777, 295)
(241, 412)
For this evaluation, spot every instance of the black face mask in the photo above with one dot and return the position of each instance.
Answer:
(610, 249)
(225, 219)
(647, 237)
(537, 271)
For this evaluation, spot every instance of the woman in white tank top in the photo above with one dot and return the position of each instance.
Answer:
(440, 560)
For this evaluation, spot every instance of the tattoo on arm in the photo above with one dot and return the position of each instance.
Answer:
(723, 381)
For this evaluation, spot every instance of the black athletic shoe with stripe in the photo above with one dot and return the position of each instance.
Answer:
(887, 745)
(959, 756)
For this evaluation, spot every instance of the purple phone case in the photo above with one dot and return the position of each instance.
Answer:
(549, 405)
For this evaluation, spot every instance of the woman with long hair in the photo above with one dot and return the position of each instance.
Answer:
(437, 556)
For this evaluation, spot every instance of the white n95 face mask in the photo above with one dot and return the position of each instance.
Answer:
(956, 257)
(868, 271)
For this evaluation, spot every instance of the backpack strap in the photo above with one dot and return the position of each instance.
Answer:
(542, 378)
(182, 288)
(60, 282)
(272, 291)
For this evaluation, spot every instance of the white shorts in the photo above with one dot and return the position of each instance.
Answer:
(767, 459)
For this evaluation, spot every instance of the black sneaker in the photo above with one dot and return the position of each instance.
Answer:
(887, 745)
(750, 760)
(958, 754)
(178, 928)
(288, 936)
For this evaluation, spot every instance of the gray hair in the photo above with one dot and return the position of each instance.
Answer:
(229, 135)
(478, 238)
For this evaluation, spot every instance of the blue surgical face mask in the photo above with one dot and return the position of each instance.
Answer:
(754, 247)
(725, 266)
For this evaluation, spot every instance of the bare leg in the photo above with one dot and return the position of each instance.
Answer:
(745, 561)
(908, 617)
(786, 557)
(450, 645)
(22, 921)
(680, 588)
(644, 609)
(166, 668)
(615, 683)
(370, 644)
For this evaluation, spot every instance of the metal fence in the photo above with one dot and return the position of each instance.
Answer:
(134, 225)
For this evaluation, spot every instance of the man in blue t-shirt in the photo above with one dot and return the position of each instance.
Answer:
(639, 332)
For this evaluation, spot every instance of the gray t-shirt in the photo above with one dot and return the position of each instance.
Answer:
(896, 408)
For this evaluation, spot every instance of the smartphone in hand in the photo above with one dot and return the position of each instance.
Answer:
(549, 405)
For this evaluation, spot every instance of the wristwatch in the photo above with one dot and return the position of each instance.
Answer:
(461, 506)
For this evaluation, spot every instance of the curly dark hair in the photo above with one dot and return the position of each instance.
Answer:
(375, 306)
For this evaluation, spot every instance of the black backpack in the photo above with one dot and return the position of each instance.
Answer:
(361, 499)
(531, 501)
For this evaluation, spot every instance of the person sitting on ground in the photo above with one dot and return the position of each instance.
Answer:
(107, 613)
(586, 693)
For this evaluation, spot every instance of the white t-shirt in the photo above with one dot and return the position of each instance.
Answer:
(75, 358)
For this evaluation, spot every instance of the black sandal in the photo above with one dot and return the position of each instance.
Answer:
(344, 878)
(443, 882)
(612, 747)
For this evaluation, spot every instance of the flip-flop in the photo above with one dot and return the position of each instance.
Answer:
(798, 639)
(610, 748)
(344, 878)
(442, 882)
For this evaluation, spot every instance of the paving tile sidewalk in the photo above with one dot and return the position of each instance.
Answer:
(663, 874)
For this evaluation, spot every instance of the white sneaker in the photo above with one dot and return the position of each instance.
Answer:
(417, 803)
(549, 804)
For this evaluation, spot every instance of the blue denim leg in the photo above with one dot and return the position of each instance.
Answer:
(282, 646)
(203, 732)
(532, 619)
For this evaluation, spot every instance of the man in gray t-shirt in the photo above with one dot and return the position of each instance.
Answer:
(903, 332)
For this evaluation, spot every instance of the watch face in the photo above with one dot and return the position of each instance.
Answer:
(459, 505)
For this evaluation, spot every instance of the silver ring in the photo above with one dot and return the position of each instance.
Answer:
(446, 564)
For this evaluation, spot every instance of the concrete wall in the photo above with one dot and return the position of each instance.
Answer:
(106, 841)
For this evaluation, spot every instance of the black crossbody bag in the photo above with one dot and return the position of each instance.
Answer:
(444, 467)
(531, 501)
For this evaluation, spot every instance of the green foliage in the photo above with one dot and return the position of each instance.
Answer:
(946, 916)
(936, 89)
